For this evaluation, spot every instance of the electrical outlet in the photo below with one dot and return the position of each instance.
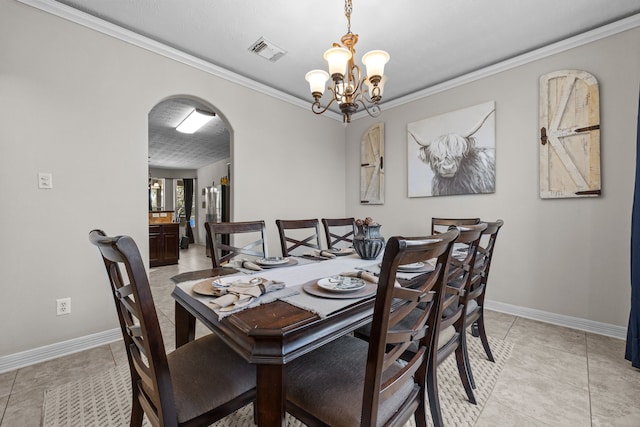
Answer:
(63, 306)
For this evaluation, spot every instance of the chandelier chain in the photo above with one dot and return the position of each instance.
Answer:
(348, 7)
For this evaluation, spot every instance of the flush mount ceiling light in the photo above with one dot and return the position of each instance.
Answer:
(194, 121)
(348, 87)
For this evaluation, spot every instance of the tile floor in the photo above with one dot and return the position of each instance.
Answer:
(554, 377)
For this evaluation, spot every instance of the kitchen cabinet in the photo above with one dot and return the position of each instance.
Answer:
(164, 244)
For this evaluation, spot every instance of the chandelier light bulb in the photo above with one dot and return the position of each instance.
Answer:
(317, 80)
(375, 61)
(337, 58)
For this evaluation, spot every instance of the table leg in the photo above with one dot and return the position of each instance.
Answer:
(185, 326)
(270, 399)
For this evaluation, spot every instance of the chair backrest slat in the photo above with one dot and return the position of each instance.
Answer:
(461, 273)
(339, 231)
(438, 225)
(485, 250)
(289, 244)
(222, 251)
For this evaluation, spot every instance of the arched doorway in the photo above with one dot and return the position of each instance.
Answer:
(178, 160)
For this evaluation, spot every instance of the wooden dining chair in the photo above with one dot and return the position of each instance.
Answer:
(222, 252)
(350, 382)
(438, 225)
(450, 336)
(339, 232)
(477, 291)
(195, 385)
(295, 235)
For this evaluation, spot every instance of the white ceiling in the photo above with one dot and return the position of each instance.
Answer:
(430, 41)
(171, 149)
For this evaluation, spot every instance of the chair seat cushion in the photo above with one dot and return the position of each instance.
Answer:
(329, 382)
(471, 305)
(206, 373)
(443, 338)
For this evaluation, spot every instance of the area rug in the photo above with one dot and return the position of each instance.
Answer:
(104, 400)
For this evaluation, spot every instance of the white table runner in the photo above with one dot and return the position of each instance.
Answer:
(294, 277)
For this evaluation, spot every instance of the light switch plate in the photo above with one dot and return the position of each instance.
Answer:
(45, 180)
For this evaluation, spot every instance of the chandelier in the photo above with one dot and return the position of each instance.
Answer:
(348, 87)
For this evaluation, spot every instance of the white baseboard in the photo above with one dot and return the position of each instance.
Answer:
(31, 357)
(41, 354)
(559, 319)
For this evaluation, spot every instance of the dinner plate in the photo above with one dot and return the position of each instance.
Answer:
(275, 260)
(312, 288)
(248, 281)
(207, 287)
(341, 284)
(411, 267)
(289, 263)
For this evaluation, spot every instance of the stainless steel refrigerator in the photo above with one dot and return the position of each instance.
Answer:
(216, 200)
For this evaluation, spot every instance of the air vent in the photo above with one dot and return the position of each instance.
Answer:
(267, 50)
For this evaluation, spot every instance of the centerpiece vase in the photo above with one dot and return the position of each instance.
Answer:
(368, 242)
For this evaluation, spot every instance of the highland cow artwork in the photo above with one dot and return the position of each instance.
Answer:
(453, 153)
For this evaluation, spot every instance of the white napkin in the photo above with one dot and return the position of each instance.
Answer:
(343, 251)
(229, 299)
(369, 277)
(321, 254)
(244, 263)
(241, 294)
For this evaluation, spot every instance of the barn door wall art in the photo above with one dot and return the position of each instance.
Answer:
(569, 137)
(372, 165)
(453, 153)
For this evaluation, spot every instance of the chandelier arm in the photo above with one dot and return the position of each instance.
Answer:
(373, 110)
(357, 83)
(317, 108)
(366, 95)
(338, 94)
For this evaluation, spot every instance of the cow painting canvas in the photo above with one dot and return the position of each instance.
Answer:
(453, 153)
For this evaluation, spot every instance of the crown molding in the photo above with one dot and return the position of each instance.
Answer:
(523, 59)
(135, 39)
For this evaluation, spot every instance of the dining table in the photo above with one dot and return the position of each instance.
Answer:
(283, 325)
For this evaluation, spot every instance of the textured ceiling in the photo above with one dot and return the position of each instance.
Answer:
(430, 41)
(171, 149)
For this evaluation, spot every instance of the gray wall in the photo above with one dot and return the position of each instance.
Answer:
(87, 96)
(565, 256)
